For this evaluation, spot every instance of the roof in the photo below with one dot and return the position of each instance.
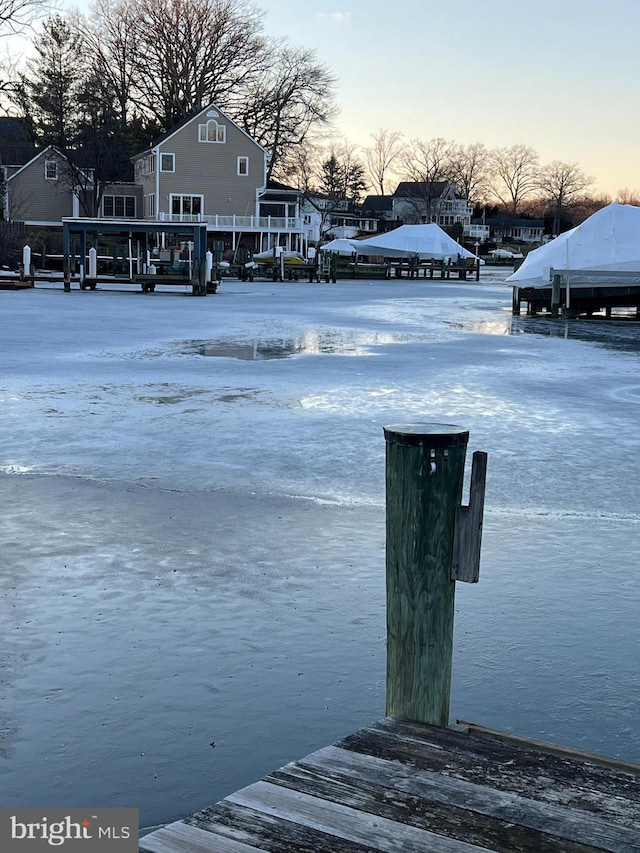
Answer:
(377, 203)
(81, 159)
(421, 189)
(16, 147)
(185, 121)
(509, 221)
(277, 185)
(277, 191)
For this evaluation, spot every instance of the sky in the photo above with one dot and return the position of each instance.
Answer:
(559, 75)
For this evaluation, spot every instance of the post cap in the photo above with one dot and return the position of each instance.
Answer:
(427, 435)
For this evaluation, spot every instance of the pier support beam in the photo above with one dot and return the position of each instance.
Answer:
(424, 476)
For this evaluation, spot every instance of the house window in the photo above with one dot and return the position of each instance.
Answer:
(119, 206)
(212, 132)
(190, 206)
(150, 205)
(243, 165)
(51, 170)
(167, 162)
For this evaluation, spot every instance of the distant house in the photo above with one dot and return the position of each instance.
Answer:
(381, 208)
(510, 229)
(430, 201)
(205, 169)
(330, 218)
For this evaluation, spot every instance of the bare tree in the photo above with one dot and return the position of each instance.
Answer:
(470, 171)
(294, 96)
(380, 157)
(111, 44)
(17, 15)
(561, 183)
(514, 175)
(627, 196)
(192, 52)
(426, 164)
(300, 166)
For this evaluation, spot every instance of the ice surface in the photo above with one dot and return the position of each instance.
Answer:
(192, 541)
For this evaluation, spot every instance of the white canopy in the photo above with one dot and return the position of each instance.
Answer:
(505, 254)
(608, 240)
(426, 241)
(341, 246)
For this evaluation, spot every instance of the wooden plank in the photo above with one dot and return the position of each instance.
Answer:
(451, 821)
(180, 837)
(563, 822)
(271, 834)
(376, 833)
(555, 749)
(542, 775)
(595, 273)
(467, 536)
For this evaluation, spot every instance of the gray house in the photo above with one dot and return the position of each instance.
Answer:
(431, 201)
(205, 169)
(44, 189)
(208, 169)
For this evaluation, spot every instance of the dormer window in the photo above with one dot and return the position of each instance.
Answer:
(212, 132)
(51, 170)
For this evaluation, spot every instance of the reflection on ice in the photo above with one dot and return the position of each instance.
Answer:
(612, 334)
(309, 342)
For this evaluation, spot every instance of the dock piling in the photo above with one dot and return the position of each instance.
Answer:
(424, 476)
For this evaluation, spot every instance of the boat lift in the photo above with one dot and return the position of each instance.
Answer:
(141, 230)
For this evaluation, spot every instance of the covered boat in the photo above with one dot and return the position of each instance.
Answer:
(272, 256)
(608, 242)
(341, 246)
(426, 242)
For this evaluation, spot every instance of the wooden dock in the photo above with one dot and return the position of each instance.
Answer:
(569, 296)
(402, 786)
(15, 284)
(411, 782)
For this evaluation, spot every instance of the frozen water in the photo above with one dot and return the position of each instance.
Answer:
(192, 547)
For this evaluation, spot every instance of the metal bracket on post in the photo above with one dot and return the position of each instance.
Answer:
(467, 533)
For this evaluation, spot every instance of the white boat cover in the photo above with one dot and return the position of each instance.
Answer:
(608, 240)
(341, 246)
(271, 256)
(428, 242)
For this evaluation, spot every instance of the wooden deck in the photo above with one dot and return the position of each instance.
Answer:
(401, 786)
(10, 283)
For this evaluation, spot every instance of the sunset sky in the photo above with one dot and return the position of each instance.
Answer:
(560, 75)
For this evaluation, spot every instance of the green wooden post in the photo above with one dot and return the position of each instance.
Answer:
(424, 474)
(555, 295)
(515, 301)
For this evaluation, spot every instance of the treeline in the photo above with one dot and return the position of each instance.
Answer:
(101, 87)
(509, 179)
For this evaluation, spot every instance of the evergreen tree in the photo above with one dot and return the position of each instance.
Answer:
(47, 92)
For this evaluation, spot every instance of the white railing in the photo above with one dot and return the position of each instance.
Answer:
(462, 208)
(218, 222)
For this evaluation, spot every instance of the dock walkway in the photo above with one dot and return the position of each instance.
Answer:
(403, 786)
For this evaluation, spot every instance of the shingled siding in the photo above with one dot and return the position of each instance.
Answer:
(211, 169)
(33, 198)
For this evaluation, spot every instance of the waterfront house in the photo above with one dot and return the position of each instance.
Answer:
(204, 169)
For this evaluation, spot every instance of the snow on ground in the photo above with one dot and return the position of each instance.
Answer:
(193, 533)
